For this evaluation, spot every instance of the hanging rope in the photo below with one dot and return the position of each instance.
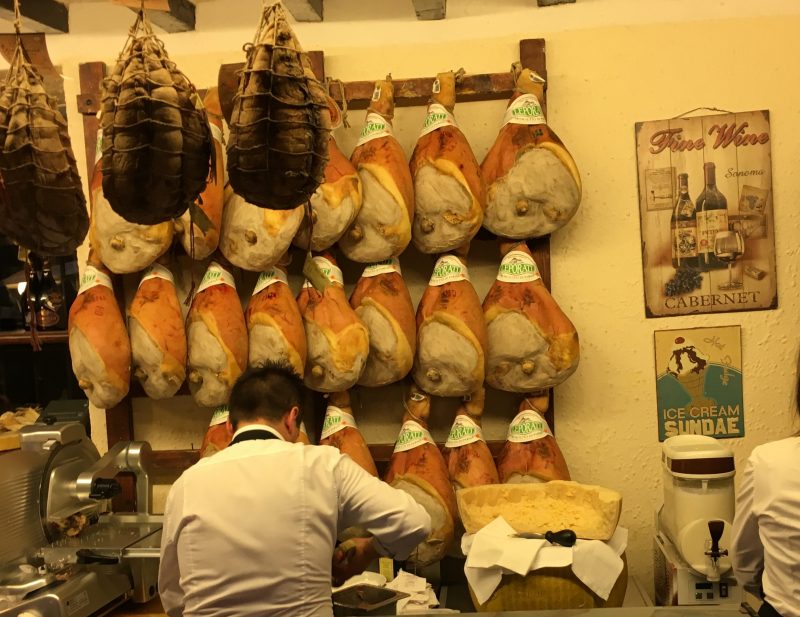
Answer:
(686, 113)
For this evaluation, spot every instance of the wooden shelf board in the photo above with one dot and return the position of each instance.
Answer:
(22, 337)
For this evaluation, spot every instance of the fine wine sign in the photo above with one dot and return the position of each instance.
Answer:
(705, 207)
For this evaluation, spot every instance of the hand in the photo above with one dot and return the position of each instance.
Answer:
(352, 557)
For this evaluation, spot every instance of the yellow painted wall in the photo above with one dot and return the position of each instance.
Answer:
(610, 63)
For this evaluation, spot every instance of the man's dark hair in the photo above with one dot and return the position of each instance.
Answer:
(265, 393)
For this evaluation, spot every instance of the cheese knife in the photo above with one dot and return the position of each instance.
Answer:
(565, 537)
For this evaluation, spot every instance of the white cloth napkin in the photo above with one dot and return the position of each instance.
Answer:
(493, 551)
(421, 594)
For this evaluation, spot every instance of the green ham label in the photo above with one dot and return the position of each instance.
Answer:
(438, 116)
(374, 127)
(216, 275)
(335, 420)
(525, 109)
(448, 269)
(157, 271)
(527, 426)
(518, 267)
(464, 431)
(412, 435)
(92, 277)
(386, 266)
(220, 415)
(331, 272)
(270, 277)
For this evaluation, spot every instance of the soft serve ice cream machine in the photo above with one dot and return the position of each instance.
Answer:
(693, 526)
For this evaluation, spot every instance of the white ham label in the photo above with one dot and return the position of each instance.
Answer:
(157, 271)
(334, 273)
(412, 435)
(528, 425)
(270, 277)
(92, 277)
(448, 269)
(518, 267)
(525, 109)
(220, 415)
(335, 420)
(464, 431)
(216, 275)
(375, 126)
(438, 116)
(386, 266)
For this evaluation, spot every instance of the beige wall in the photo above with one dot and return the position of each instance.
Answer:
(610, 63)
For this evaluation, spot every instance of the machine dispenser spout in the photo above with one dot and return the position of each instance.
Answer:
(715, 528)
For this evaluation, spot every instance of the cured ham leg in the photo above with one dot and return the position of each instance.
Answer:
(418, 468)
(217, 436)
(340, 431)
(448, 187)
(338, 342)
(381, 300)
(451, 332)
(531, 453)
(469, 461)
(382, 228)
(532, 344)
(98, 342)
(532, 183)
(274, 323)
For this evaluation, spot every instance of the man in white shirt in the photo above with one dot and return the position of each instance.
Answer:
(251, 530)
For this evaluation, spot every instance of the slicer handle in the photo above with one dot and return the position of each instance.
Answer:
(565, 537)
(86, 555)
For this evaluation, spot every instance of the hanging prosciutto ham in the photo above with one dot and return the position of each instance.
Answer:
(218, 435)
(274, 323)
(337, 340)
(382, 228)
(469, 461)
(451, 332)
(448, 188)
(340, 431)
(381, 300)
(532, 183)
(418, 468)
(532, 343)
(217, 335)
(531, 453)
(158, 337)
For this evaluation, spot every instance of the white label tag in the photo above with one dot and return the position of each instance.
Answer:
(386, 266)
(334, 273)
(157, 271)
(464, 431)
(270, 277)
(375, 126)
(92, 277)
(448, 269)
(215, 275)
(525, 109)
(412, 434)
(528, 425)
(335, 420)
(518, 267)
(220, 415)
(216, 133)
(98, 146)
(438, 116)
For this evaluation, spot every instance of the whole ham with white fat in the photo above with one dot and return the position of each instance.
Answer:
(448, 189)
(218, 435)
(256, 238)
(418, 468)
(98, 342)
(340, 431)
(217, 336)
(469, 461)
(123, 247)
(532, 343)
(381, 300)
(382, 228)
(158, 337)
(336, 202)
(204, 236)
(532, 183)
(337, 340)
(531, 453)
(451, 332)
(274, 323)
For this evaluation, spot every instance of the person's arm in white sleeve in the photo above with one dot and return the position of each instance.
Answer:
(397, 522)
(747, 552)
(169, 573)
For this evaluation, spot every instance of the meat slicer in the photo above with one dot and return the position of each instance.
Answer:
(63, 554)
(693, 526)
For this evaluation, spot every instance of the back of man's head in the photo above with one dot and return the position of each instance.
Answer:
(265, 393)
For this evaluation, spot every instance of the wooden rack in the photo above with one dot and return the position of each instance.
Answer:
(408, 92)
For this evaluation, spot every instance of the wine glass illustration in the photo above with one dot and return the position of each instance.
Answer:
(728, 247)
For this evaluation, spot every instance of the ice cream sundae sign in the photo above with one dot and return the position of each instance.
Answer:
(699, 382)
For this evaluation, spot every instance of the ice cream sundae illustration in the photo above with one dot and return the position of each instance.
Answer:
(688, 365)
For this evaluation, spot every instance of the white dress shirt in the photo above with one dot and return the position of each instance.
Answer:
(251, 530)
(766, 530)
